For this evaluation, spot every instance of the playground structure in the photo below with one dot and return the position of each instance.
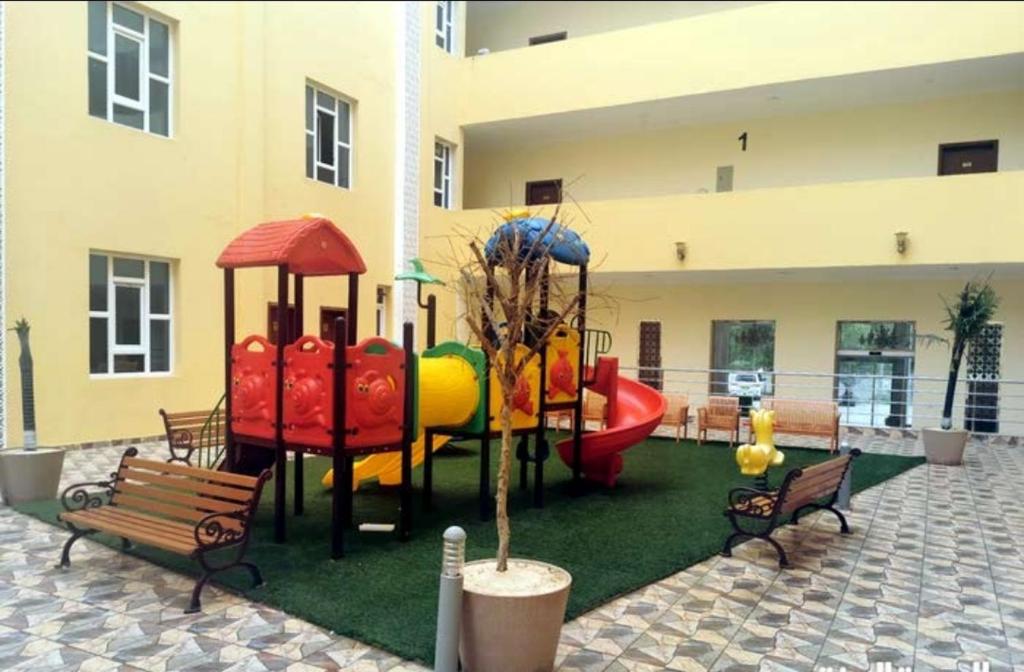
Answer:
(378, 401)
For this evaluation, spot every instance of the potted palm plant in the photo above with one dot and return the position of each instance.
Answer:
(974, 307)
(513, 608)
(29, 473)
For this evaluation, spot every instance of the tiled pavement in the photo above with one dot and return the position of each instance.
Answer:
(932, 577)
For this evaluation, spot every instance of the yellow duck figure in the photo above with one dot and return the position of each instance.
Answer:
(754, 460)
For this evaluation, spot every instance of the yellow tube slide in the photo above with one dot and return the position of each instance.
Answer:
(448, 397)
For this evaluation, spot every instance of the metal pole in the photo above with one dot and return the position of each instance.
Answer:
(229, 341)
(449, 601)
(280, 450)
(341, 489)
(843, 496)
(299, 495)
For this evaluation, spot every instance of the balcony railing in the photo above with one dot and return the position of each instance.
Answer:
(987, 406)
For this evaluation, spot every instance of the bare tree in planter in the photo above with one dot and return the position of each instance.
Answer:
(512, 609)
(502, 284)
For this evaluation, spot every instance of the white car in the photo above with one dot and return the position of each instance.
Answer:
(745, 385)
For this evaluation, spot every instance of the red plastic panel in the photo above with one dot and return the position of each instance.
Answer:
(253, 393)
(309, 392)
(375, 388)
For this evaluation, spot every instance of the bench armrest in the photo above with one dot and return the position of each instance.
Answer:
(89, 495)
(742, 499)
(213, 532)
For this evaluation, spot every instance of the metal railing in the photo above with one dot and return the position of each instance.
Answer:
(211, 439)
(866, 400)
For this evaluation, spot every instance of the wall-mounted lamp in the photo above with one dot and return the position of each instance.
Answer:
(902, 239)
(681, 250)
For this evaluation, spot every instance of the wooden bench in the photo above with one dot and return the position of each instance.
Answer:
(814, 487)
(188, 431)
(809, 418)
(719, 413)
(179, 509)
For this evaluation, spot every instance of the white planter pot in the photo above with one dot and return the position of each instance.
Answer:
(30, 475)
(944, 446)
(512, 621)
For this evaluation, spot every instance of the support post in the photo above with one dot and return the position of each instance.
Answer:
(281, 454)
(449, 601)
(843, 496)
(428, 470)
(431, 321)
(353, 308)
(577, 419)
(405, 514)
(299, 495)
(341, 490)
(229, 341)
(540, 442)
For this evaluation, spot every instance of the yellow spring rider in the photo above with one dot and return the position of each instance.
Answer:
(755, 459)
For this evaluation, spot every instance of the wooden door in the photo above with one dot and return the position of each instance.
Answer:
(544, 192)
(327, 318)
(650, 354)
(958, 158)
(272, 323)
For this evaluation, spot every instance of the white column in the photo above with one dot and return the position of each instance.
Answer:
(407, 157)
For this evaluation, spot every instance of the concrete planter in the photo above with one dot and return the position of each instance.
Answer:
(944, 446)
(30, 475)
(512, 628)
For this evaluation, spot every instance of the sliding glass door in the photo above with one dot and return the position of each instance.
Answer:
(874, 370)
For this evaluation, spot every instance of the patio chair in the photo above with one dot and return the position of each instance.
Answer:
(721, 413)
(677, 413)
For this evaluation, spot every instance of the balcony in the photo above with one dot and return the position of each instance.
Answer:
(740, 50)
(954, 220)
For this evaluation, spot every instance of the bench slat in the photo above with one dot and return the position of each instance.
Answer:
(176, 498)
(150, 506)
(210, 475)
(133, 521)
(89, 519)
(187, 485)
(171, 417)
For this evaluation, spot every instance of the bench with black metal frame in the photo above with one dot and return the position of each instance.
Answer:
(189, 432)
(180, 509)
(803, 490)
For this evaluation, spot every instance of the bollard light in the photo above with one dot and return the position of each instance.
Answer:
(449, 601)
(454, 554)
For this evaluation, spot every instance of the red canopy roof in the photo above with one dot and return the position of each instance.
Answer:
(312, 246)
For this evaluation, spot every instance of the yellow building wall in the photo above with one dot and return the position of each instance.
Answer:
(500, 26)
(870, 143)
(720, 51)
(805, 315)
(76, 183)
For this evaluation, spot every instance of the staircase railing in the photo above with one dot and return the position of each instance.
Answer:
(596, 342)
(211, 438)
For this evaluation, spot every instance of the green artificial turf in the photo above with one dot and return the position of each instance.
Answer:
(664, 515)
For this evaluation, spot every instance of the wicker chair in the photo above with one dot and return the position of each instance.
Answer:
(720, 413)
(677, 413)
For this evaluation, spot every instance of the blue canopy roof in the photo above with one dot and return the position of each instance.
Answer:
(562, 243)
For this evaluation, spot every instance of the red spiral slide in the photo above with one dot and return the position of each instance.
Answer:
(634, 412)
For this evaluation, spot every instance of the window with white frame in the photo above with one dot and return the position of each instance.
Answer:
(328, 137)
(443, 172)
(444, 32)
(129, 315)
(129, 67)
